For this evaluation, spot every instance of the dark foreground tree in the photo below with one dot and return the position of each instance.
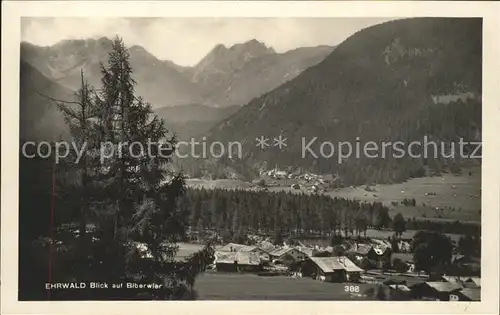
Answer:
(432, 251)
(124, 184)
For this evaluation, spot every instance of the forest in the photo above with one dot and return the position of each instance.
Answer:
(234, 213)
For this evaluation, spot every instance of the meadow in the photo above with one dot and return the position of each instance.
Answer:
(225, 286)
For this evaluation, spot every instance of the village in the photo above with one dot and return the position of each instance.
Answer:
(352, 263)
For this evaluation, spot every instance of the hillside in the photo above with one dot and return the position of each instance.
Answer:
(381, 83)
(261, 74)
(39, 117)
(193, 120)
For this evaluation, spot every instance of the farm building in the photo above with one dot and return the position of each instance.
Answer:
(237, 261)
(287, 255)
(333, 269)
(378, 255)
(437, 290)
(233, 247)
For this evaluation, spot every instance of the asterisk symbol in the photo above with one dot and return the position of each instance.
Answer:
(280, 142)
(262, 142)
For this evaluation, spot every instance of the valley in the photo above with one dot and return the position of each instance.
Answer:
(269, 223)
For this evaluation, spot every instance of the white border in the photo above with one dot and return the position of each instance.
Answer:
(11, 13)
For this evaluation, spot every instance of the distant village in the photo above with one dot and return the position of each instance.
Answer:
(307, 181)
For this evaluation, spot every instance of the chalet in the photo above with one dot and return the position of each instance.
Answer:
(378, 255)
(237, 261)
(436, 290)
(233, 247)
(287, 255)
(334, 269)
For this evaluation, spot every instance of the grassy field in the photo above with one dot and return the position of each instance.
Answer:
(441, 198)
(457, 197)
(227, 286)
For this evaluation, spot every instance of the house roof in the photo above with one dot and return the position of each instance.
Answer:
(400, 287)
(308, 251)
(443, 286)
(331, 264)
(363, 249)
(452, 279)
(281, 251)
(266, 246)
(475, 280)
(242, 258)
(474, 294)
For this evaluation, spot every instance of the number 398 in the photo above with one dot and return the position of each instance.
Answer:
(351, 288)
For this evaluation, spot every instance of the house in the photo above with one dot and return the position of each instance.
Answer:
(233, 247)
(378, 255)
(466, 294)
(334, 269)
(437, 290)
(287, 255)
(237, 261)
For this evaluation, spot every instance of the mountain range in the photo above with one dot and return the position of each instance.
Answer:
(190, 99)
(224, 77)
(384, 83)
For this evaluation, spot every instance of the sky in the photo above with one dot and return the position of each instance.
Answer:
(186, 41)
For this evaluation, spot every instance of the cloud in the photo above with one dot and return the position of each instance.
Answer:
(186, 40)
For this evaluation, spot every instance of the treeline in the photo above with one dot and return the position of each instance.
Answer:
(235, 212)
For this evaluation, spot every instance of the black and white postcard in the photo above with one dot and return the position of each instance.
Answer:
(250, 151)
